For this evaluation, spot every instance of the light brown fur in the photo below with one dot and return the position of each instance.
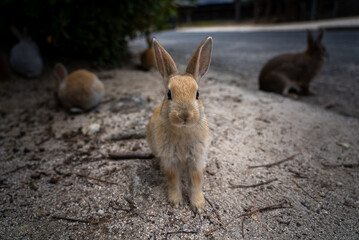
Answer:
(174, 191)
(178, 131)
(148, 59)
(81, 89)
(196, 185)
(293, 72)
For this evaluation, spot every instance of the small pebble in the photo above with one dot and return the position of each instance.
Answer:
(90, 129)
(321, 194)
(100, 212)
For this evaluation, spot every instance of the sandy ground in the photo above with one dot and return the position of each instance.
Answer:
(46, 189)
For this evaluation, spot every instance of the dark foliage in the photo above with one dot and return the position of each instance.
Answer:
(96, 30)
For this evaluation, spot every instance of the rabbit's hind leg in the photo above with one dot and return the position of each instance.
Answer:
(289, 88)
(287, 91)
(305, 90)
(275, 82)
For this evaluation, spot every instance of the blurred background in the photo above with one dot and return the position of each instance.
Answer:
(100, 30)
(247, 33)
(264, 11)
(56, 175)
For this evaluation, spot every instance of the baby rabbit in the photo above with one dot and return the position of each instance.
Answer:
(294, 71)
(80, 91)
(25, 56)
(148, 60)
(178, 130)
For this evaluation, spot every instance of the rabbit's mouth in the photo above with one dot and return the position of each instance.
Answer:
(184, 119)
(183, 123)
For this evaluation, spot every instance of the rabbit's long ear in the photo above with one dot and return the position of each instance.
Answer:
(165, 64)
(199, 63)
(26, 35)
(16, 32)
(320, 36)
(310, 39)
(60, 72)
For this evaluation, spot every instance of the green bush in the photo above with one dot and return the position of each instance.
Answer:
(97, 30)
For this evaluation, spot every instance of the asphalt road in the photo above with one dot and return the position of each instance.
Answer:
(244, 53)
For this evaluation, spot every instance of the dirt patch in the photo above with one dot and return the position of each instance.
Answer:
(56, 183)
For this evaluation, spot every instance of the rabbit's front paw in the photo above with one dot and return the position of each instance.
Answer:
(197, 199)
(175, 197)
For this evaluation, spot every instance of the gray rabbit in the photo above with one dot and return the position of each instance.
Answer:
(25, 58)
(294, 71)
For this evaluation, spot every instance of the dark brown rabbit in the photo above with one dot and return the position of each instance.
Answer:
(148, 60)
(294, 71)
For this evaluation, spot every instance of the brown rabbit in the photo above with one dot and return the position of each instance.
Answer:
(294, 71)
(79, 91)
(178, 131)
(148, 60)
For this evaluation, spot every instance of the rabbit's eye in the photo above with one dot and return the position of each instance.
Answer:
(169, 95)
(197, 95)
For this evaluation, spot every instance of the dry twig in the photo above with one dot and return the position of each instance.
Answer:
(275, 163)
(346, 165)
(213, 230)
(97, 179)
(297, 174)
(263, 209)
(17, 169)
(305, 192)
(253, 185)
(126, 215)
(328, 106)
(71, 219)
(215, 211)
(98, 222)
(126, 136)
(129, 155)
(250, 212)
(179, 232)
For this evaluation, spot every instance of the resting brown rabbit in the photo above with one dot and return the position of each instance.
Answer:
(178, 130)
(79, 91)
(148, 60)
(294, 71)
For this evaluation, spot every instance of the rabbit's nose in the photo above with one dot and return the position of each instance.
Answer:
(184, 115)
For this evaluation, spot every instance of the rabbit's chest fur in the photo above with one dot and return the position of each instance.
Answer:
(184, 146)
(186, 149)
(179, 147)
